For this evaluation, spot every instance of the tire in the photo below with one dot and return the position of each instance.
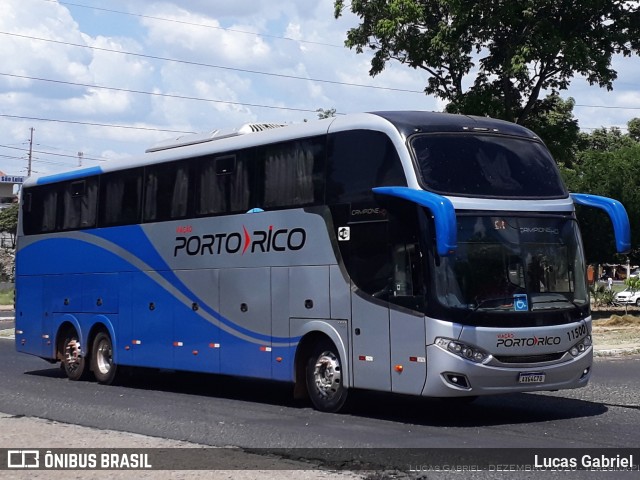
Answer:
(325, 383)
(104, 368)
(74, 362)
(638, 302)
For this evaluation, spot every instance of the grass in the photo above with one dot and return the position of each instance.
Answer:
(6, 297)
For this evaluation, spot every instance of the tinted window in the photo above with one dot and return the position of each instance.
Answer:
(223, 184)
(120, 197)
(80, 201)
(166, 192)
(370, 265)
(40, 209)
(358, 161)
(293, 173)
(485, 165)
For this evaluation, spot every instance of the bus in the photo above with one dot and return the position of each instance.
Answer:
(411, 252)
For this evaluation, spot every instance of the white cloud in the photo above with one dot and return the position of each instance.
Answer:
(238, 35)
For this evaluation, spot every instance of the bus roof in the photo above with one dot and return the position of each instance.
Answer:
(398, 123)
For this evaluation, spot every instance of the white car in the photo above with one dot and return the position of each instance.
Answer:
(629, 296)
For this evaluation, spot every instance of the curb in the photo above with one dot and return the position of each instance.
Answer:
(8, 333)
(616, 352)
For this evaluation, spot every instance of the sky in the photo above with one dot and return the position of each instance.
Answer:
(106, 80)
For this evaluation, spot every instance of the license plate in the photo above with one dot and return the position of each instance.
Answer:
(531, 378)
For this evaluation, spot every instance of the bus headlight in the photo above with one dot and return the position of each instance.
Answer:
(463, 350)
(580, 348)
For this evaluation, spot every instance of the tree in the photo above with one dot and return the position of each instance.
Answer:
(605, 140)
(515, 49)
(633, 127)
(328, 113)
(614, 174)
(9, 222)
(556, 126)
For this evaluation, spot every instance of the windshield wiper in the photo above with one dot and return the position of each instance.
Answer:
(555, 300)
(494, 299)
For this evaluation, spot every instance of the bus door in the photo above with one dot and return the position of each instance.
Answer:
(369, 265)
(388, 326)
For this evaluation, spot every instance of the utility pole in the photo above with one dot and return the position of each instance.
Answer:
(80, 155)
(30, 152)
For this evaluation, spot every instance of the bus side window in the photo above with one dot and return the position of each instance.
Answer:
(293, 173)
(120, 197)
(408, 284)
(223, 184)
(80, 204)
(40, 210)
(369, 264)
(167, 190)
(358, 161)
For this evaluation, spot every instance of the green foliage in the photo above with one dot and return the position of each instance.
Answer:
(6, 297)
(556, 126)
(633, 283)
(604, 140)
(516, 50)
(9, 221)
(610, 173)
(633, 127)
(602, 296)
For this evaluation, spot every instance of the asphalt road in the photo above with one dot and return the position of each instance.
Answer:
(220, 411)
(225, 411)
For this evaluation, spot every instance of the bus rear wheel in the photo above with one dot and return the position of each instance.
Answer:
(104, 368)
(325, 382)
(74, 362)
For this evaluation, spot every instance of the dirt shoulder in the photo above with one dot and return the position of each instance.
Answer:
(616, 332)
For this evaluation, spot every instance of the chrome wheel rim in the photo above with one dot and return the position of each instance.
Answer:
(72, 355)
(104, 357)
(327, 375)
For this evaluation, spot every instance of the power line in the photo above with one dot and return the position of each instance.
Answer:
(110, 125)
(49, 162)
(157, 94)
(201, 99)
(606, 106)
(12, 157)
(210, 65)
(228, 102)
(55, 154)
(194, 24)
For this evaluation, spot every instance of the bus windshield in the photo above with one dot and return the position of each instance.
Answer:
(513, 264)
(486, 166)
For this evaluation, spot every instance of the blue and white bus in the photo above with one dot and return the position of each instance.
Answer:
(412, 252)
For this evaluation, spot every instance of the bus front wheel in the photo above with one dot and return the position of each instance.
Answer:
(325, 382)
(104, 368)
(74, 362)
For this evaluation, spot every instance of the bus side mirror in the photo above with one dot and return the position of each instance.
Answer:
(617, 214)
(444, 215)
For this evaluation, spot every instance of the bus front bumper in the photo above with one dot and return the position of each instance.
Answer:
(452, 376)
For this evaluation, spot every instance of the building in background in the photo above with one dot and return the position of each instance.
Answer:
(9, 185)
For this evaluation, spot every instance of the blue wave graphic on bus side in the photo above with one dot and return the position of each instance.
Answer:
(142, 250)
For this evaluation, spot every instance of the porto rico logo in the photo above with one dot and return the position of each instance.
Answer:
(258, 241)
